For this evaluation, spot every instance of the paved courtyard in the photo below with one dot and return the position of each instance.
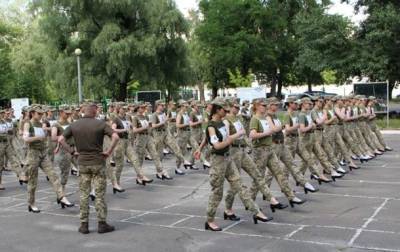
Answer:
(358, 213)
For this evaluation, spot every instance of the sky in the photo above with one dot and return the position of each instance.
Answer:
(336, 8)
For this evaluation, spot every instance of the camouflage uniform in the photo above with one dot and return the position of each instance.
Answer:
(143, 142)
(283, 154)
(37, 156)
(97, 175)
(196, 134)
(243, 161)
(264, 157)
(223, 167)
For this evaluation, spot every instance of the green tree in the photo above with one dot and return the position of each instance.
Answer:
(121, 41)
(378, 38)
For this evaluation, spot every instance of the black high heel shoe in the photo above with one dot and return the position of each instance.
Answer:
(206, 167)
(140, 182)
(257, 218)
(279, 206)
(21, 182)
(115, 190)
(306, 190)
(74, 173)
(92, 197)
(292, 203)
(231, 217)
(207, 227)
(162, 177)
(148, 181)
(33, 210)
(353, 167)
(188, 166)
(63, 205)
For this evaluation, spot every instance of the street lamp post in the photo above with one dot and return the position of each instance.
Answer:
(78, 52)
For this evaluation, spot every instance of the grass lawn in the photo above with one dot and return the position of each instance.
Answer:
(393, 123)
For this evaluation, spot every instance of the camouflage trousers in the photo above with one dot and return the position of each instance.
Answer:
(359, 135)
(183, 139)
(63, 160)
(95, 174)
(196, 136)
(371, 140)
(142, 143)
(164, 139)
(350, 140)
(283, 154)
(319, 152)
(328, 137)
(122, 150)
(243, 161)
(340, 143)
(223, 167)
(377, 132)
(7, 152)
(36, 158)
(51, 147)
(296, 145)
(307, 143)
(265, 157)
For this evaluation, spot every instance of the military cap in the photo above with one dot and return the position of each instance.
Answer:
(305, 100)
(37, 108)
(260, 101)
(273, 101)
(219, 101)
(65, 108)
(159, 102)
(140, 104)
(51, 108)
(291, 99)
(182, 102)
(371, 98)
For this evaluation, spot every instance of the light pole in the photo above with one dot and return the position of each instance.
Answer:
(78, 52)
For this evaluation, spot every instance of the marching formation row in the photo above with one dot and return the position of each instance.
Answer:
(327, 133)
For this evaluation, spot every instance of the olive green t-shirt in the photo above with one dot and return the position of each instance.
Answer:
(221, 134)
(88, 134)
(122, 123)
(157, 118)
(277, 136)
(236, 124)
(317, 114)
(260, 125)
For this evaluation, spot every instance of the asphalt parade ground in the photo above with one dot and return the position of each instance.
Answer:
(360, 212)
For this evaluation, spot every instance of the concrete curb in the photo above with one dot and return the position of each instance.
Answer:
(391, 132)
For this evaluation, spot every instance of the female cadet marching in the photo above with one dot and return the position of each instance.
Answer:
(281, 150)
(372, 123)
(142, 142)
(7, 150)
(162, 138)
(263, 154)
(37, 156)
(319, 117)
(243, 160)
(62, 158)
(223, 166)
(196, 132)
(306, 140)
(340, 112)
(183, 133)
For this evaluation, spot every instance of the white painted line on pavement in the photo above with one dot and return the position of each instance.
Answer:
(365, 225)
(294, 232)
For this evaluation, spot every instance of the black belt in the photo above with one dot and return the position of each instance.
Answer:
(185, 129)
(309, 132)
(160, 130)
(293, 135)
(239, 145)
(277, 141)
(226, 154)
(3, 140)
(173, 120)
(143, 133)
(319, 129)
